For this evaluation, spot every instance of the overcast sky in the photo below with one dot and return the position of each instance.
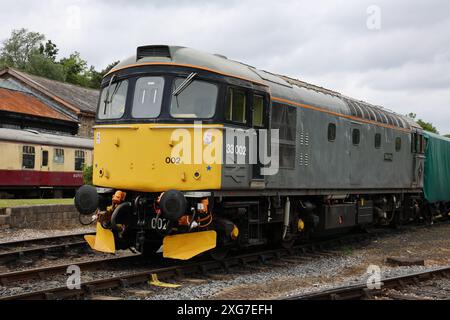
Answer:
(392, 53)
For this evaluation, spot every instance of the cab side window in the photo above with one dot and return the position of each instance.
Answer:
(236, 110)
(258, 111)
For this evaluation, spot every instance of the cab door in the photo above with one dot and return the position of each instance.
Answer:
(259, 120)
(418, 151)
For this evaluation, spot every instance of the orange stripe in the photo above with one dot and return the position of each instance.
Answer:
(184, 65)
(306, 106)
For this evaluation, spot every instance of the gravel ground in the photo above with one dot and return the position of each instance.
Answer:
(430, 244)
(8, 235)
(430, 290)
(58, 280)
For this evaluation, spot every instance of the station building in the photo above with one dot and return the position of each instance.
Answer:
(36, 103)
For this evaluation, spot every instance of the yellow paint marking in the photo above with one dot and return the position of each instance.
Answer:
(155, 282)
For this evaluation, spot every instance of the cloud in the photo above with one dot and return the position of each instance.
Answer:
(405, 65)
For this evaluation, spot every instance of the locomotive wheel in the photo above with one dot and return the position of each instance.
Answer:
(288, 244)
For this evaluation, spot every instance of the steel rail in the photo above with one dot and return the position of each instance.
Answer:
(41, 273)
(361, 291)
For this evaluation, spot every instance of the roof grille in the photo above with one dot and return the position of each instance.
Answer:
(153, 51)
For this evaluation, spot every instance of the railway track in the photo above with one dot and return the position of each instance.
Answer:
(170, 270)
(24, 250)
(361, 291)
(41, 273)
(181, 270)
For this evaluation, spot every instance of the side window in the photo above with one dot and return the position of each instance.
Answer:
(258, 111)
(331, 132)
(28, 155)
(44, 158)
(378, 140)
(237, 106)
(58, 156)
(79, 160)
(356, 137)
(398, 144)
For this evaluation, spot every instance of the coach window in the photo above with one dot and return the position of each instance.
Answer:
(237, 106)
(398, 144)
(331, 132)
(58, 156)
(356, 137)
(79, 160)
(28, 155)
(112, 101)
(148, 97)
(378, 140)
(258, 111)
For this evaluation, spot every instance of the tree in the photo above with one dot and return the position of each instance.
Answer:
(96, 77)
(29, 52)
(49, 50)
(75, 69)
(18, 49)
(427, 126)
(43, 66)
(447, 135)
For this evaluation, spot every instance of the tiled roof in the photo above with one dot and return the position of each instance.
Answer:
(73, 97)
(20, 102)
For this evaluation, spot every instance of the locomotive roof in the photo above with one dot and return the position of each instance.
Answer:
(283, 87)
(35, 137)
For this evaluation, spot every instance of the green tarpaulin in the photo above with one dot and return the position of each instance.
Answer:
(437, 168)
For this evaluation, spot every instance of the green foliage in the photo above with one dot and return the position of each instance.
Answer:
(18, 49)
(75, 69)
(447, 135)
(87, 174)
(49, 50)
(96, 77)
(43, 66)
(427, 126)
(29, 52)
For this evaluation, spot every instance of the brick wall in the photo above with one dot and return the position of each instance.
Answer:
(40, 217)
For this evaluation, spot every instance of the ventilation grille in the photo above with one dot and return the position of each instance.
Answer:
(373, 113)
(153, 51)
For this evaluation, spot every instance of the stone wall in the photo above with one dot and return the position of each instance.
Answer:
(86, 129)
(40, 217)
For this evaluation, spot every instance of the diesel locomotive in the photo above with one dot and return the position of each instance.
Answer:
(195, 152)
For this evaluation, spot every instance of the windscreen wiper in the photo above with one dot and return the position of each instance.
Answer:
(107, 93)
(184, 84)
